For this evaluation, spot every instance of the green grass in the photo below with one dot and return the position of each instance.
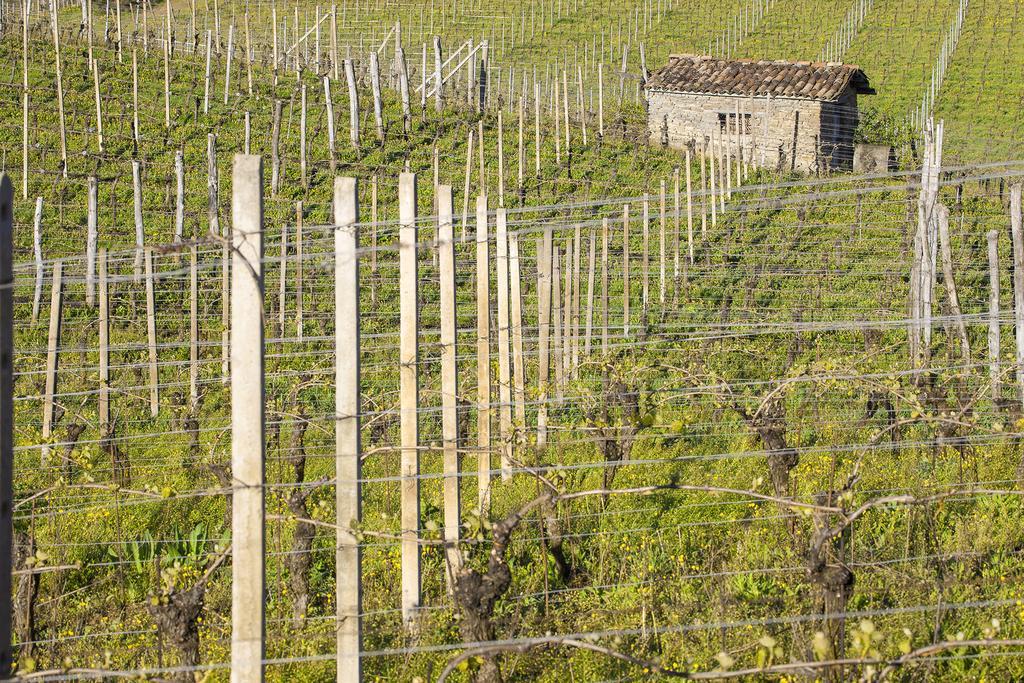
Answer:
(981, 96)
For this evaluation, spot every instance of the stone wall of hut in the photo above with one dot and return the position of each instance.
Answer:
(823, 132)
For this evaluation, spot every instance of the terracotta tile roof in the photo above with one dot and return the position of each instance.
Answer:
(808, 80)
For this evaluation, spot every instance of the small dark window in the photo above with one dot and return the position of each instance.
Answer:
(730, 119)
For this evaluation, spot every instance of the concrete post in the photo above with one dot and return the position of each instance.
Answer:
(504, 358)
(247, 438)
(483, 355)
(449, 381)
(409, 394)
(346, 431)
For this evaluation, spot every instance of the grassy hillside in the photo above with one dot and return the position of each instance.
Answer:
(789, 323)
(982, 93)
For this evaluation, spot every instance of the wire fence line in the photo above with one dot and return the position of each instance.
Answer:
(632, 375)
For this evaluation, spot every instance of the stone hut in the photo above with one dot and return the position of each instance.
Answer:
(785, 115)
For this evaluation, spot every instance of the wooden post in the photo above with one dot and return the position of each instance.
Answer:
(282, 283)
(993, 315)
(299, 313)
(353, 104)
(713, 195)
(689, 209)
(501, 161)
(483, 355)
(518, 359)
(796, 136)
(92, 238)
(449, 383)
(248, 129)
(482, 177)
(604, 286)
(565, 112)
(557, 357)
(134, 93)
(521, 167)
(645, 263)
(703, 198)
(504, 359)
(6, 420)
(167, 79)
(662, 228)
(544, 259)
(275, 149)
(334, 41)
(193, 327)
(737, 144)
(347, 453)
(330, 124)
(247, 423)
(227, 71)
(465, 192)
(207, 81)
(212, 186)
(409, 395)
(536, 128)
(1017, 234)
(950, 282)
(373, 239)
(589, 320)
(60, 91)
(577, 244)
(275, 51)
(213, 218)
(558, 124)
(37, 254)
(579, 102)
(137, 203)
(99, 107)
(52, 354)
(438, 82)
(625, 271)
(403, 90)
(248, 51)
(154, 383)
(378, 106)
(179, 205)
(724, 188)
(103, 325)
(304, 176)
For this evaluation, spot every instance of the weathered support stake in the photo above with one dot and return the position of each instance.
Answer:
(52, 354)
(193, 327)
(353, 103)
(37, 254)
(154, 383)
(993, 315)
(1017, 233)
(92, 237)
(625, 271)
(179, 204)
